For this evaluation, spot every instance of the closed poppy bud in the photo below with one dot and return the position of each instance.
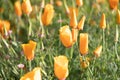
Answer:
(29, 49)
(61, 67)
(48, 14)
(59, 3)
(1, 10)
(71, 11)
(73, 19)
(97, 51)
(66, 36)
(113, 4)
(79, 2)
(17, 7)
(84, 62)
(118, 16)
(74, 35)
(83, 44)
(35, 74)
(4, 26)
(103, 21)
(26, 7)
(81, 23)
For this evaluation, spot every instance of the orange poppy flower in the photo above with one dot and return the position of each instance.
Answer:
(81, 23)
(113, 4)
(66, 36)
(26, 7)
(73, 19)
(29, 49)
(17, 7)
(32, 75)
(103, 21)
(97, 51)
(74, 35)
(61, 67)
(4, 25)
(48, 14)
(58, 3)
(79, 2)
(83, 44)
(118, 16)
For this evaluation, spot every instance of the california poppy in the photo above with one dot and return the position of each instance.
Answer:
(61, 67)
(29, 49)
(32, 75)
(83, 44)
(79, 2)
(66, 36)
(48, 14)
(103, 21)
(73, 19)
(113, 4)
(97, 51)
(17, 7)
(26, 7)
(74, 35)
(81, 23)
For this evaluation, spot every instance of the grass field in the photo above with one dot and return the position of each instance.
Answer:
(42, 30)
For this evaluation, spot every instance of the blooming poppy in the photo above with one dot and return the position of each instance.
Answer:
(26, 7)
(113, 4)
(29, 49)
(83, 44)
(48, 14)
(61, 67)
(66, 36)
(17, 7)
(32, 75)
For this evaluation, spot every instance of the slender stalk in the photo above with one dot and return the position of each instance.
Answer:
(30, 27)
(103, 38)
(66, 7)
(30, 66)
(71, 52)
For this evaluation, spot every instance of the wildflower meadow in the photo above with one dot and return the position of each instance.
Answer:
(59, 40)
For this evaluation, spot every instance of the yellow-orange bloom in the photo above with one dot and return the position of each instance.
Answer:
(17, 7)
(58, 3)
(71, 11)
(97, 51)
(61, 67)
(66, 36)
(26, 7)
(118, 16)
(79, 2)
(4, 25)
(83, 44)
(74, 35)
(35, 74)
(113, 4)
(103, 21)
(29, 49)
(81, 23)
(73, 19)
(48, 14)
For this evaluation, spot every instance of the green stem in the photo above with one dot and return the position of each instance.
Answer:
(66, 7)
(71, 52)
(30, 66)
(50, 59)
(103, 38)
(116, 52)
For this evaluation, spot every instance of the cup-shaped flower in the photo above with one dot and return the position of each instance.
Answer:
(118, 16)
(73, 19)
(4, 26)
(79, 2)
(74, 35)
(17, 7)
(26, 7)
(48, 14)
(81, 23)
(83, 43)
(66, 36)
(61, 67)
(103, 22)
(113, 4)
(29, 49)
(97, 51)
(35, 74)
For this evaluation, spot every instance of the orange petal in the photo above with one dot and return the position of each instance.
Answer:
(81, 23)
(103, 21)
(17, 7)
(98, 51)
